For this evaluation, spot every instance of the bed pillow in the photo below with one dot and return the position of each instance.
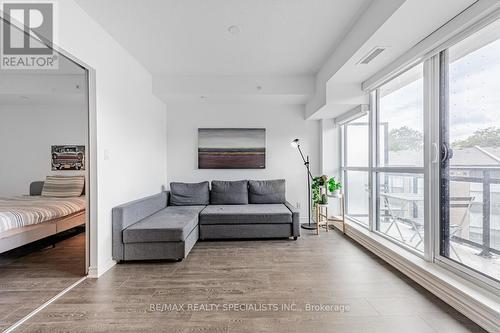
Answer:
(63, 186)
(229, 192)
(266, 191)
(189, 194)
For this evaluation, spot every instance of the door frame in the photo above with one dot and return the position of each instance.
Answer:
(91, 244)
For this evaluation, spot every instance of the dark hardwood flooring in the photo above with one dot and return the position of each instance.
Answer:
(328, 270)
(33, 274)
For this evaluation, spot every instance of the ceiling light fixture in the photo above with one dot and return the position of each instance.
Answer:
(234, 29)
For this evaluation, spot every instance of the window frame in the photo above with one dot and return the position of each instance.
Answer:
(431, 166)
(376, 169)
(345, 169)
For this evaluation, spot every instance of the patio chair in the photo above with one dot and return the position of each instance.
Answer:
(455, 202)
(459, 202)
(392, 217)
(396, 215)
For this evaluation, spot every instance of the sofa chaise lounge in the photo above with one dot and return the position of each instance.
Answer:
(167, 225)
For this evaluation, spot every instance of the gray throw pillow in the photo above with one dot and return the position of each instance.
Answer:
(189, 194)
(266, 191)
(229, 192)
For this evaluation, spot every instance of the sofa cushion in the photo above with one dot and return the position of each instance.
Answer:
(172, 224)
(189, 194)
(266, 191)
(245, 214)
(229, 192)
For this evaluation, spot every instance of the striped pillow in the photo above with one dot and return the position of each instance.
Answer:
(63, 186)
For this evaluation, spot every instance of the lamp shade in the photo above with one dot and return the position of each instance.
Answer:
(295, 143)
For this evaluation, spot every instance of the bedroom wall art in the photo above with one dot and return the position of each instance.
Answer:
(68, 157)
(231, 148)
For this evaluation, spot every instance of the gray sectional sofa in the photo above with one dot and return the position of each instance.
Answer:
(167, 225)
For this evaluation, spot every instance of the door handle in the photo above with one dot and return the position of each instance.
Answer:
(446, 153)
(435, 153)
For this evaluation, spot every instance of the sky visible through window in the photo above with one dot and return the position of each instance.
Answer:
(403, 106)
(474, 92)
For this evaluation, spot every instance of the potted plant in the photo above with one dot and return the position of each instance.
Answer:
(334, 187)
(318, 188)
(321, 186)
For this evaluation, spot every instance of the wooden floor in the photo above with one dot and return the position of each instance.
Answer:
(33, 274)
(366, 294)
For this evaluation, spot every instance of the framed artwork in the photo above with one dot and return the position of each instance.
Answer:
(231, 148)
(68, 157)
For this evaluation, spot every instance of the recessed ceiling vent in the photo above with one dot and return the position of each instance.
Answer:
(371, 55)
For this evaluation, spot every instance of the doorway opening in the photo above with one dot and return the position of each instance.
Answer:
(44, 183)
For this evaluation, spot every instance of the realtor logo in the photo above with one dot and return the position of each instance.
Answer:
(25, 38)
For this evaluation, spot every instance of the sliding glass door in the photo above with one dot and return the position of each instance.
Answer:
(470, 152)
(422, 169)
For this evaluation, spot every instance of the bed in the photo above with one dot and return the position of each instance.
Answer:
(25, 219)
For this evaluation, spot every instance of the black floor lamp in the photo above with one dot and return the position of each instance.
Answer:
(310, 226)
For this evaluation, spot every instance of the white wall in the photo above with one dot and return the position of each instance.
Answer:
(330, 148)
(283, 123)
(331, 156)
(27, 133)
(131, 130)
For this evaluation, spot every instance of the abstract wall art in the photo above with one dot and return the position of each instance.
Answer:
(231, 148)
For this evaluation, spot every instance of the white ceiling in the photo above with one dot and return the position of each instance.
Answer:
(191, 37)
(287, 51)
(40, 100)
(38, 89)
(412, 22)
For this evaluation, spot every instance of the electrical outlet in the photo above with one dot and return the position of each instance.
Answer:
(297, 205)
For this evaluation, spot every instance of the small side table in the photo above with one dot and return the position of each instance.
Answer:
(340, 218)
(321, 217)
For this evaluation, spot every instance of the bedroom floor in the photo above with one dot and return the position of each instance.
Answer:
(32, 274)
(328, 270)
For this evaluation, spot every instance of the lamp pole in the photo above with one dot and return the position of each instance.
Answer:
(308, 225)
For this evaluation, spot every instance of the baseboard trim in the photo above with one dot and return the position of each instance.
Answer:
(477, 304)
(96, 271)
(93, 272)
(43, 306)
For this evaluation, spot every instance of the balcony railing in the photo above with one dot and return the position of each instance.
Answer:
(481, 231)
(487, 176)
